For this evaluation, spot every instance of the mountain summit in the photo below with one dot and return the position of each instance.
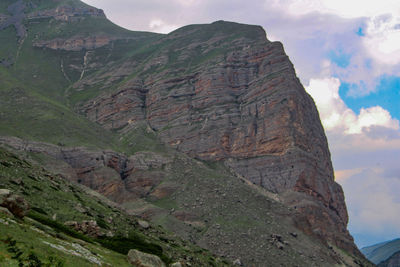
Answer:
(206, 131)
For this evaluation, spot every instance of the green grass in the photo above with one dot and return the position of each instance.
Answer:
(54, 201)
(31, 116)
(29, 243)
(8, 43)
(141, 139)
(165, 203)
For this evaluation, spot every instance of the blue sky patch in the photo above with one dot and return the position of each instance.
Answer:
(387, 96)
(360, 32)
(340, 58)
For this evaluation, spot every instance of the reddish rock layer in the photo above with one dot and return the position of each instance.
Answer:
(247, 109)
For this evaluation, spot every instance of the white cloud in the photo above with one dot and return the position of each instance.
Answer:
(336, 116)
(373, 205)
(158, 25)
(383, 38)
(344, 8)
(365, 150)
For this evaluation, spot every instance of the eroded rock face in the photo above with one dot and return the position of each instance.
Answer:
(76, 43)
(89, 228)
(112, 174)
(249, 110)
(16, 10)
(16, 204)
(119, 110)
(138, 258)
(67, 13)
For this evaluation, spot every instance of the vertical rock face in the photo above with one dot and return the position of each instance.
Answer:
(247, 109)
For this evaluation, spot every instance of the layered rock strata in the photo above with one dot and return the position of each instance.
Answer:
(247, 109)
(67, 13)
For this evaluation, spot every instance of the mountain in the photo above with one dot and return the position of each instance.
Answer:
(101, 234)
(205, 131)
(386, 254)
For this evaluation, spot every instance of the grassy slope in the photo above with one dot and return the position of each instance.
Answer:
(55, 201)
(32, 91)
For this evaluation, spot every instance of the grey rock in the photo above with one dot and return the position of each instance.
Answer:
(6, 212)
(143, 224)
(237, 262)
(138, 258)
(16, 204)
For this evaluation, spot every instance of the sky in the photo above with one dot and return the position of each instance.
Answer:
(347, 55)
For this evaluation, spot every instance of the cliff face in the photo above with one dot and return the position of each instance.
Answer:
(247, 109)
(221, 94)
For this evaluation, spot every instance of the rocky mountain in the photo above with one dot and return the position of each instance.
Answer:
(386, 254)
(206, 131)
(47, 221)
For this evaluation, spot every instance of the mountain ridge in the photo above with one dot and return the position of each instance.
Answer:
(381, 252)
(219, 93)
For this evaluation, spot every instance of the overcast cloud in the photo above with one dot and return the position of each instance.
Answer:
(332, 43)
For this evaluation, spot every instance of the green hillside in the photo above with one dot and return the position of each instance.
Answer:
(42, 239)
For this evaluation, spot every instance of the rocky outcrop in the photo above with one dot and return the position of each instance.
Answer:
(141, 259)
(119, 110)
(112, 174)
(16, 204)
(89, 228)
(247, 109)
(3, 18)
(16, 10)
(76, 43)
(67, 13)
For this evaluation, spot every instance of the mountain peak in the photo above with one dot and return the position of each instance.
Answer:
(221, 28)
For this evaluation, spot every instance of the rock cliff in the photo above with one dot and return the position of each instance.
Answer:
(247, 109)
(217, 139)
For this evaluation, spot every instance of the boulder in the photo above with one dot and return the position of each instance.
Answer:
(237, 262)
(141, 259)
(89, 228)
(16, 204)
(144, 224)
(4, 192)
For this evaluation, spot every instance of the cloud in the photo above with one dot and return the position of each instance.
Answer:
(336, 116)
(383, 38)
(158, 25)
(375, 205)
(365, 150)
(344, 8)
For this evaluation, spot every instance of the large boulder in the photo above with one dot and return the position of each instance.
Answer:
(141, 259)
(16, 204)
